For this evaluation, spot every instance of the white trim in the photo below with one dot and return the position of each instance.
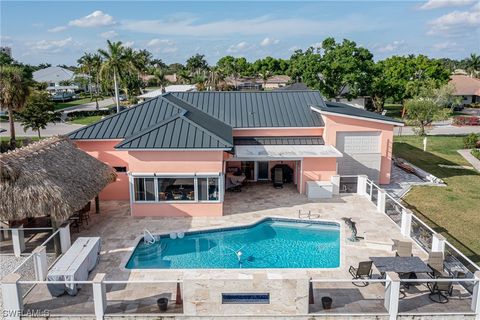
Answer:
(277, 128)
(265, 159)
(96, 140)
(398, 124)
(301, 177)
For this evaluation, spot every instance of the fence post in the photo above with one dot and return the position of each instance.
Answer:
(382, 198)
(438, 243)
(12, 297)
(476, 295)
(99, 295)
(392, 294)
(335, 180)
(406, 225)
(65, 241)
(40, 263)
(362, 185)
(18, 240)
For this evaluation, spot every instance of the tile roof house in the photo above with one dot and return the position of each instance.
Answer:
(176, 153)
(467, 87)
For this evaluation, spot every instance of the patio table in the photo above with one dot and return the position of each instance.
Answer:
(74, 265)
(400, 265)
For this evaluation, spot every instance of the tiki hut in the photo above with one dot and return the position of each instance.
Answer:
(50, 177)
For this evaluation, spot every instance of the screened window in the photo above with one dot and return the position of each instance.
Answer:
(176, 189)
(144, 189)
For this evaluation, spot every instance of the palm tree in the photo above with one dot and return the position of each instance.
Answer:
(86, 65)
(473, 64)
(96, 65)
(265, 74)
(159, 75)
(185, 76)
(114, 64)
(14, 91)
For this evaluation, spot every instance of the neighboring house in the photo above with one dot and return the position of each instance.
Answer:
(468, 88)
(275, 82)
(179, 150)
(255, 83)
(172, 88)
(54, 77)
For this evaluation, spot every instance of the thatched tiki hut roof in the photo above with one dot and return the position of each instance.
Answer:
(49, 177)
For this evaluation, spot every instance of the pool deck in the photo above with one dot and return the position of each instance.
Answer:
(119, 231)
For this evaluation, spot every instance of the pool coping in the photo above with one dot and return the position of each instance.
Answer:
(126, 258)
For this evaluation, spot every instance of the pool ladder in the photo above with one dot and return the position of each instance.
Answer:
(148, 237)
(303, 214)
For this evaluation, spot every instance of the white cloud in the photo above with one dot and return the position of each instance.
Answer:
(435, 4)
(447, 46)
(109, 34)
(457, 23)
(57, 29)
(128, 44)
(390, 47)
(268, 42)
(294, 48)
(239, 47)
(262, 25)
(162, 45)
(95, 19)
(316, 45)
(51, 45)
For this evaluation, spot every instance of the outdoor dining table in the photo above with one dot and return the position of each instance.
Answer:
(406, 267)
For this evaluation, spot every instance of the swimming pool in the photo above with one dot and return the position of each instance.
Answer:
(269, 243)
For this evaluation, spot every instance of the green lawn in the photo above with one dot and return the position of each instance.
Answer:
(86, 120)
(393, 110)
(63, 105)
(453, 210)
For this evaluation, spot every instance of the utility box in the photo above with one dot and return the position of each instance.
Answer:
(319, 189)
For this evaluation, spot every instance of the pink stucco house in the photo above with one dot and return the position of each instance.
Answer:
(177, 154)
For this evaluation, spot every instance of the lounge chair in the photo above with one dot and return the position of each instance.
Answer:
(440, 291)
(404, 249)
(278, 178)
(435, 262)
(363, 271)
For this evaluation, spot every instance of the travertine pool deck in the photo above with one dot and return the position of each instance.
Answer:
(119, 231)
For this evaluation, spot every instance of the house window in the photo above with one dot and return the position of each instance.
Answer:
(176, 189)
(144, 189)
(120, 169)
(208, 189)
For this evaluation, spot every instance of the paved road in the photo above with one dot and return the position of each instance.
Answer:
(51, 130)
(90, 106)
(445, 129)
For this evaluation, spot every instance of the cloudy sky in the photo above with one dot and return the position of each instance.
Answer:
(59, 32)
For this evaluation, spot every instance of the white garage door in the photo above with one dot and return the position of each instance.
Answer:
(361, 153)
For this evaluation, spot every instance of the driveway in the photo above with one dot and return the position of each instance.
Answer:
(52, 129)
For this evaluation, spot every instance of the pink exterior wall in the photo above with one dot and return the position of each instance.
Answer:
(277, 132)
(334, 124)
(318, 169)
(177, 209)
(175, 161)
(103, 150)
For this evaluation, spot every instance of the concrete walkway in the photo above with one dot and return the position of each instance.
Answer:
(442, 129)
(470, 158)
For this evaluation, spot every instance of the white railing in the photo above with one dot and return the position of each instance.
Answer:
(412, 226)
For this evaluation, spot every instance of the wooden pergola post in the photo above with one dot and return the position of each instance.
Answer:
(56, 238)
(97, 204)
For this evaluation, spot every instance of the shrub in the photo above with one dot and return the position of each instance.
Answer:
(476, 153)
(87, 113)
(470, 141)
(466, 121)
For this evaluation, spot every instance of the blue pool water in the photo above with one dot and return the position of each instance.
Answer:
(270, 243)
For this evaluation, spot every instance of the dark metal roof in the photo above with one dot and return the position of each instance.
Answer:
(128, 122)
(313, 140)
(262, 109)
(178, 132)
(345, 109)
(293, 87)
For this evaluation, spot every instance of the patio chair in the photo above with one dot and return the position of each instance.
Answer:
(363, 271)
(404, 249)
(440, 291)
(435, 262)
(278, 178)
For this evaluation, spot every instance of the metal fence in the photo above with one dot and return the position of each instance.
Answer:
(348, 184)
(393, 209)
(421, 233)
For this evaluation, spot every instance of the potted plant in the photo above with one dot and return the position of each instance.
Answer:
(327, 303)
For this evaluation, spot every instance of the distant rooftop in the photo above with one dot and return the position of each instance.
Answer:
(53, 74)
(465, 85)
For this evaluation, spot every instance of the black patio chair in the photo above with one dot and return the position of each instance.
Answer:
(363, 271)
(440, 291)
